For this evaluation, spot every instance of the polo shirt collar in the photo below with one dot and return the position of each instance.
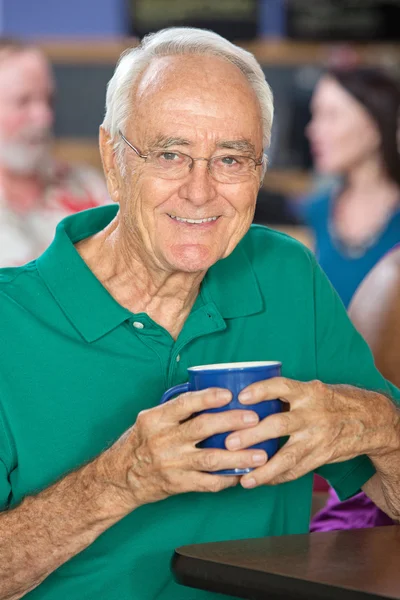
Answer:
(230, 284)
(81, 296)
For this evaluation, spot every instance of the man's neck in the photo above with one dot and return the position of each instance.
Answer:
(138, 285)
(22, 193)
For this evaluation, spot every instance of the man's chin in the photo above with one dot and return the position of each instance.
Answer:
(26, 162)
(193, 259)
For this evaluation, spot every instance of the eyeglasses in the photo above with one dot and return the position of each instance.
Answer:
(171, 164)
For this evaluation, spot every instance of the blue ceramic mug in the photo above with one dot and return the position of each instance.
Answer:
(234, 377)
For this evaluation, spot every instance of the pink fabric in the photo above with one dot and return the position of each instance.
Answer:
(358, 512)
(320, 485)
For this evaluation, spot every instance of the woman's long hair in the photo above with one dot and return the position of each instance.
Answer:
(379, 94)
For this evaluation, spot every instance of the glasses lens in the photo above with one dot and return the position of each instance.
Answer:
(231, 168)
(176, 165)
(169, 165)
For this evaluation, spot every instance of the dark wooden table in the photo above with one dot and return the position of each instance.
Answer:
(341, 565)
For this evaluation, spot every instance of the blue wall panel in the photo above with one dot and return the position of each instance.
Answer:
(64, 18)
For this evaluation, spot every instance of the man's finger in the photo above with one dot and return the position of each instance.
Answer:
(288, 464)
(272, 427)
(184, 406)
(210, 460)
(208, 424)
(204, 482)
(285, 389)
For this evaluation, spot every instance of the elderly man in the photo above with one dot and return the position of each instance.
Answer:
(95, 475)
(35, 190)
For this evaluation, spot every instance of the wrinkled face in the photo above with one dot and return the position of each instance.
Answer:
(26, 113)
(341, 131)
(204, 107)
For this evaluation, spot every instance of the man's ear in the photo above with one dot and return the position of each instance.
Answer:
(109, 165)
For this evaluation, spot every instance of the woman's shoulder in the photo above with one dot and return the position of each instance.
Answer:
(316, 205)
(390, 237)
(313, 208)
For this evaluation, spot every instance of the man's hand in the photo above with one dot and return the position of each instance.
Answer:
(326, 424)
(159, 457)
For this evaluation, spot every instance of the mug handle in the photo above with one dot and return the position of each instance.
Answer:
(174, 391)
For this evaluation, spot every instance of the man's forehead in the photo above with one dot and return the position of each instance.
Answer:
(214, 106)
(190, 74)
(163, 129)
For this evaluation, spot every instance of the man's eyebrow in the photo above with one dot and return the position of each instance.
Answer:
(166, 141)
(241, 145)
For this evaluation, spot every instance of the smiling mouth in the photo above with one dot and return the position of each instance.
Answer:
(193, 221)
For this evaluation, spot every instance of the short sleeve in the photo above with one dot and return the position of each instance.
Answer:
(394, 392)
(5, 487)
(343, 357)
(6, 462)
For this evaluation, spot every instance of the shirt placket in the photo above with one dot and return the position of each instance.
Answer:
(204, 321)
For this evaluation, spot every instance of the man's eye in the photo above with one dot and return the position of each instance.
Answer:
(232, 162)
(170, 156)
(228, 160)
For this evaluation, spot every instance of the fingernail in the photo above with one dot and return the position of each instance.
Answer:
(258, 458)
(233, 443)
(249, 483)
(244, 396)
(224, 395)
(250, 418)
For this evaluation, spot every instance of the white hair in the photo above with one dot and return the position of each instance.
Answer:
(178, 41)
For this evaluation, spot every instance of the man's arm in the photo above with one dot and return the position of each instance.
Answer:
(48, 529)
(330, 424)
(326, 424)
(381, 490)
(158, 457)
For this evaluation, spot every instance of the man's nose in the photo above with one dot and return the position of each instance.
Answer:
(199, 186)
(42, 114)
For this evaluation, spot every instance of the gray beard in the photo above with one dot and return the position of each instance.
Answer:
(22, 159)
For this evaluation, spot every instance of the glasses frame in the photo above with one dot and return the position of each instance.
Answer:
(257, 163)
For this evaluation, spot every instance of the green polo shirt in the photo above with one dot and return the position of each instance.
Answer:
(76, 368)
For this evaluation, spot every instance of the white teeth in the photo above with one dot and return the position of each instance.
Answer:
(194, 221)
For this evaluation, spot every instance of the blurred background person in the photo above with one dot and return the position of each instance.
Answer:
(352, 134)
(36, 191)
(375, 311)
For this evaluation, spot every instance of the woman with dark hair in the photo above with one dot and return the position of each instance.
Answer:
(352, 135)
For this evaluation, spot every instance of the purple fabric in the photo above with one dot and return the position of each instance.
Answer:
(358, 512)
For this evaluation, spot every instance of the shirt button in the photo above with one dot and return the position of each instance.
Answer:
(138, 325)
(178, 358)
